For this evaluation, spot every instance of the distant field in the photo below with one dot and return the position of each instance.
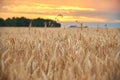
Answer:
(59, 54)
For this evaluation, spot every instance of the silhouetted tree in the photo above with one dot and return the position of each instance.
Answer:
(38, 22)
(24, 22)
(2, 22)
(10, 22)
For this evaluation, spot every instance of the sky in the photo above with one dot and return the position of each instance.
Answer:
(71, 10)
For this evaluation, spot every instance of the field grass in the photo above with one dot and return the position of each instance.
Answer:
(59, 54)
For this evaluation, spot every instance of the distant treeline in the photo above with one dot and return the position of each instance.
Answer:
(25, 22)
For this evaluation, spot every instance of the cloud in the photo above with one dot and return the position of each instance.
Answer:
(96, 14)
(90, 10)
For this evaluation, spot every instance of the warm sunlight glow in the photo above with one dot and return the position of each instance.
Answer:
(76, 8)
(87, 11)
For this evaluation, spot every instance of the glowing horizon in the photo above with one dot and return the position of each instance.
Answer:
(77, 10)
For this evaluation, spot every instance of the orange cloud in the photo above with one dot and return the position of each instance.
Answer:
(90, 10)
(44, 7)
(62, 19)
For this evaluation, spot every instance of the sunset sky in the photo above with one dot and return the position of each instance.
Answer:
(72, 10)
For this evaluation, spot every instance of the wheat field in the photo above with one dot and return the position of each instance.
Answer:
(59, 54)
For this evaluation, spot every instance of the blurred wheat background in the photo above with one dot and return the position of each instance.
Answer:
(59, 54)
